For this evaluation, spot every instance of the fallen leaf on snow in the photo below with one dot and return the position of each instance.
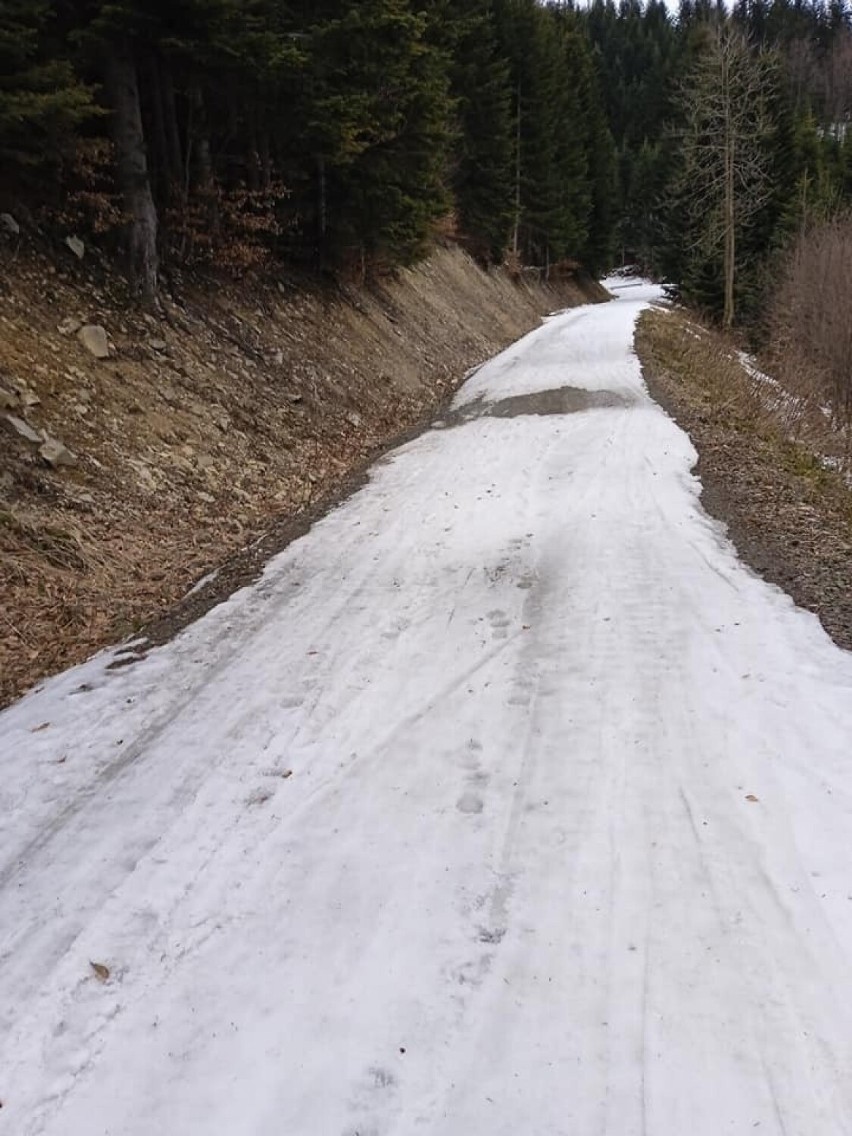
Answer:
(38, 729)
(751, 797)
(101, 971)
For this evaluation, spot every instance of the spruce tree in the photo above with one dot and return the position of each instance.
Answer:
(552, 178)
(483, 152)
(384, 109)
(42, 101)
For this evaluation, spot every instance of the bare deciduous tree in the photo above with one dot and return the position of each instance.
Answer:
(726, 177)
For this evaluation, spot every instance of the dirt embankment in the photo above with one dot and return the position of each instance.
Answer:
(224, 423)
(770, 464)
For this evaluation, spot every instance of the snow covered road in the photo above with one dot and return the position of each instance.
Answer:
(506, 803)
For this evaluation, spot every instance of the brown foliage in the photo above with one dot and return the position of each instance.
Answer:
(809, 319)
(92, 203)
(229, 230)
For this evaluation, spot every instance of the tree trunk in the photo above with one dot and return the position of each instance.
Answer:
(170, 118)
(205, 179)
(517, 226)
(322, 212)
(265, 159)
(158, 153)
(132, 163)
(252, 159)
(729, 143)
(730, 234)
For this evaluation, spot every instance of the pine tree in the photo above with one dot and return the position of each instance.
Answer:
(636, 52)
(483, 173)
(42, 101)
(384, 111)
(601, 204)
(553, 192)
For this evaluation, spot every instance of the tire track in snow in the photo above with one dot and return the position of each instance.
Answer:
(429, 926)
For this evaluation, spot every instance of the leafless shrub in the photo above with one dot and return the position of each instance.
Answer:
(809, 320)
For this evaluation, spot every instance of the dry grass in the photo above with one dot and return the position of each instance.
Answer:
(68, 588)
(732, 389)
(762, 461)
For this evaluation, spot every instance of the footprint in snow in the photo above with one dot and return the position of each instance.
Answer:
(469, 803)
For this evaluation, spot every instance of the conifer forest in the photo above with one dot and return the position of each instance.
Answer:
(345, 136)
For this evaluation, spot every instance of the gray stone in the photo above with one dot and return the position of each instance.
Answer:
(28, 397)
(69, 326)
(55, 454)
(158, 344)
(84, 502)
(94, 339)
(354, 419)
(8, 400)
(205, 462)
(76, 246)
(9, 224)
(24, 429)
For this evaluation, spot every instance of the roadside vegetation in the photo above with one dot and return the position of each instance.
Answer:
(773, 465)
(809, 344)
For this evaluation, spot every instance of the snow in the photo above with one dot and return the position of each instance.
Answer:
(202, 583)
(506, 802)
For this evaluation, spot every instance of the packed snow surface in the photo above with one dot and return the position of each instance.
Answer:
(506, 803)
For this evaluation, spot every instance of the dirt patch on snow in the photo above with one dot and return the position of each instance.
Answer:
(136, 459)
(557, 400)
(789, 515)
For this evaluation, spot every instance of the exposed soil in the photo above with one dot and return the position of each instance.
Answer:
(211, 435)
(558, 400)
(789, 516)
